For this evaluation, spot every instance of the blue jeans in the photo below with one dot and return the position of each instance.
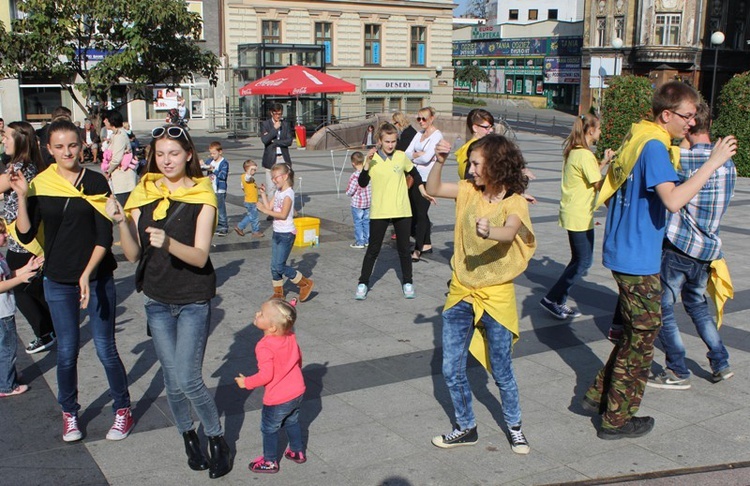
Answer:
(64, 306)
(180, 333)
(281, 247)
(8, 349)
(686, 277)
(458, 328)
(273, 418)
(581, 257)
(361, 218)
(221, 203)
(251, 218)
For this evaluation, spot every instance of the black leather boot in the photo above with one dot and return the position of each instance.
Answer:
(221, 457)
(196, 460)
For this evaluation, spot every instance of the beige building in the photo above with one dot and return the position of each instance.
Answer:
(397, 52)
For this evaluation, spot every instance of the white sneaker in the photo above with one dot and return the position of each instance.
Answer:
(361, 293)
(409, 292)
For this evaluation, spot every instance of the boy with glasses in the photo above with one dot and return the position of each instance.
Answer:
(640, 186)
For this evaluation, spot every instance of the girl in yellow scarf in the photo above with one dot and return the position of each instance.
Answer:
(494, 241)
(167, 224)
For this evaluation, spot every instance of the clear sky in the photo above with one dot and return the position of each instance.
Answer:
(461, 7)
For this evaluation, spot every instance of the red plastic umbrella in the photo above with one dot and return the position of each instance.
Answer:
(296, 81)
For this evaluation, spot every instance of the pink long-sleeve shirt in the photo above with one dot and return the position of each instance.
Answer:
(279, 369)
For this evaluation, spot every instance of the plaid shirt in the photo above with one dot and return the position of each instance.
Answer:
(695, 228)
(361, 196)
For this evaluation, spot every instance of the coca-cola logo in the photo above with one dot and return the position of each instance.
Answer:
(301, 90)
(271, 82)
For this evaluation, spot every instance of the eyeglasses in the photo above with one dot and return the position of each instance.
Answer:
(421, 119)
(486, 127)
(171, 131)
(687, 118)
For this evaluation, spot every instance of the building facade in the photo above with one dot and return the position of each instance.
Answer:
(397, 53)
(525, 12)
(663, 40)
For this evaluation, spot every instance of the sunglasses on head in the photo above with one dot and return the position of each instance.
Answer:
(172, 132)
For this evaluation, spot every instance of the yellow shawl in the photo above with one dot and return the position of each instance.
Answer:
(720, 287)
(51, 184)
(627, 155)
(462, 157)
(147, 191)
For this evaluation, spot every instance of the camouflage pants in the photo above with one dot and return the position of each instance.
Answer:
(619, 385)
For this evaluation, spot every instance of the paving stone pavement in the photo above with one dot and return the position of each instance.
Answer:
(375, 395)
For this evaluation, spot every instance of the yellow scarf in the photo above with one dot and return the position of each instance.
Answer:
(148, 191)
(462, 157)
(50, 183)
(720, 288)
(627, 155)
(499, 301)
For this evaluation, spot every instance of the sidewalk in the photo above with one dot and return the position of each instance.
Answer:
(375, 393)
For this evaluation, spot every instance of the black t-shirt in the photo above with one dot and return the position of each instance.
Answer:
(72, 232)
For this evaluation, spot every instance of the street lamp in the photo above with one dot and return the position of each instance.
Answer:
(717, 39)
(617, 45)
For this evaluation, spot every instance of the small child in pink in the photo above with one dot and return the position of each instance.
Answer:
(280, 371)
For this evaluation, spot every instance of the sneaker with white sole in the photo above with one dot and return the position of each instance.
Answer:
(71, 432)
(553, 308)
(41, 343)
(518, 442)
(456, 438)
(570, 311)
(722, 375)
(409, 292)
(122, 426)
(358, 246)
(361, 293)
(668, 380)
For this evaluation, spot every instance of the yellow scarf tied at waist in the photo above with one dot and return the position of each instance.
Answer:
(720, 288)
(499, 301)
(147, 191)
(627, 155)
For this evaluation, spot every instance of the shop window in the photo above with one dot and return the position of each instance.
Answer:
(533, 14)
(394, 104)
(513, 14)
(38, 103)
(413, 105)
(374, 105)
(418, 46)
(667, 30)
(552, 14)
(324, 36)
(372, 45)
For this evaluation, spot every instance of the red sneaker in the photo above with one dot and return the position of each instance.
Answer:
(71, 432)
(124, 423)
(260, 465)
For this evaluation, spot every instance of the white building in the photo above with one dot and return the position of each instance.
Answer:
(526, 12)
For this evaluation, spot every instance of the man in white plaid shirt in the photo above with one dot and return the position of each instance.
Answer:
(691, 243)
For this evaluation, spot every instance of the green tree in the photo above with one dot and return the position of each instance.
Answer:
(477, 8)
(473, 75)
(734, 119)
(626, 101)
(142, 42)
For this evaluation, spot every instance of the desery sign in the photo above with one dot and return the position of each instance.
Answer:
(397, 85)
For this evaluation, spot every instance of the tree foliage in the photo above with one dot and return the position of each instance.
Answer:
(626, 101)
(473, 75)
(143, 42)
(477, 9)
(734, 118)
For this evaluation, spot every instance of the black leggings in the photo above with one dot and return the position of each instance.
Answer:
(402, 226)
(420, 224)
(30, 298)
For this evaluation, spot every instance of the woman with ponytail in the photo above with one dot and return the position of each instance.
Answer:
(581, 180)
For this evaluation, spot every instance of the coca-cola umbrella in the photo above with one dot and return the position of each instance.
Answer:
(295, 81)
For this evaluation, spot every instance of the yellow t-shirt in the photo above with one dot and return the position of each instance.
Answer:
(483, 270)
(462, 157)
(390, 195)
(250, 190)
(580, 173)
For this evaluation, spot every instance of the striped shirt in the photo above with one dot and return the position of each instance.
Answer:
(361, 196)
(694, 230)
